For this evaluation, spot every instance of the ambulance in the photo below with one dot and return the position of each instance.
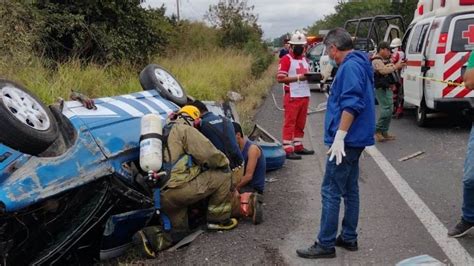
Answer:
(437, 44)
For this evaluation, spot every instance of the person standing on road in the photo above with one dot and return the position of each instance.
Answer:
(349, 127)
(383, 79)
(286, 48)
(467, 219)
(398, 56)
(291, 72)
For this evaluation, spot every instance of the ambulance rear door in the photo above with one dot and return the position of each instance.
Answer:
(460, 45)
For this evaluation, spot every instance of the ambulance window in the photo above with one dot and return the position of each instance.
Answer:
(405, 39)
(418, 39)
(463, 38)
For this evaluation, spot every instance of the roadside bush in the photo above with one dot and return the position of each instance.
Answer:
(262, 58)
(18, 31)
(193, 37)
(102, 31)
(209, 76)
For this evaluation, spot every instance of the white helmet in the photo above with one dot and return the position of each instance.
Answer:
(395, 43)
(297, 38)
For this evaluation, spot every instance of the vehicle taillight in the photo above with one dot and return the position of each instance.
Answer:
(442, 41)
(420, 10)
(466, 2)
(443, 3)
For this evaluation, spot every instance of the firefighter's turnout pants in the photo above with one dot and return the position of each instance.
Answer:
(214, 184)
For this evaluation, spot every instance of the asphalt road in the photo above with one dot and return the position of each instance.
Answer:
(400, 207)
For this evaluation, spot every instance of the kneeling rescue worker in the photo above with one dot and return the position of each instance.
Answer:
(248, 196)
(196, 171)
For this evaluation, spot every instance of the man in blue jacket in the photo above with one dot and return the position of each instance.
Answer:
(349, 127)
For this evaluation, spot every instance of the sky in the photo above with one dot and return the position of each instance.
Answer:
(276, 17)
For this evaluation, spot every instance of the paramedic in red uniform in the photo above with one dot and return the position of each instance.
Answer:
(291, 72)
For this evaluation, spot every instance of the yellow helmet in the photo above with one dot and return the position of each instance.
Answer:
(191, 111)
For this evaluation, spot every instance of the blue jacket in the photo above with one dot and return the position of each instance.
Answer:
(353, 91)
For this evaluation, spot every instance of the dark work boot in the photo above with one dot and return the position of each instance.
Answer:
(351, 246)
(316, 252)
(305, 151)
(293, 156)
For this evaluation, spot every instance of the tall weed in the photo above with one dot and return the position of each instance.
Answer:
(204, 75)
(210, 75)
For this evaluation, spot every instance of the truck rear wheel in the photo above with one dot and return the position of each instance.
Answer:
(26, 124)
(155, 77)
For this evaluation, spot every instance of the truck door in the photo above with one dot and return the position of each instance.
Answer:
(391, 33)
(412, 82)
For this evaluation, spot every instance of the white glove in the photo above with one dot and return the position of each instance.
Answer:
(337, 147)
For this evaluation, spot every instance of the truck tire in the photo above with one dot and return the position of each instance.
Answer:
(26, 124)
(421, 114)
(155, 77)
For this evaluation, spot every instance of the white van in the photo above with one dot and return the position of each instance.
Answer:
(437, 45)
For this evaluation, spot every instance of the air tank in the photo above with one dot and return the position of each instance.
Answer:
(151, 153)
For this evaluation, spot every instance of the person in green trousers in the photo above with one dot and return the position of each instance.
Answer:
(383, 70)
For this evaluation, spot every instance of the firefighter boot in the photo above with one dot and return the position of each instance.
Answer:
(226, 225)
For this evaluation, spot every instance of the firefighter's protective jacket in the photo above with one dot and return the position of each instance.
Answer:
(191, 153)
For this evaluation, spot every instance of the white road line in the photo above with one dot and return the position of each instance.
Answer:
(451, 247)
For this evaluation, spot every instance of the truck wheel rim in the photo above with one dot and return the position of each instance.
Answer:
(25, 108)
(169, 83)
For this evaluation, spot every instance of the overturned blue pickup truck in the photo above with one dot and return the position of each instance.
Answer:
(65, 170)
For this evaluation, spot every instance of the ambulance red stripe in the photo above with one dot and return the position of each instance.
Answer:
(450, 88)
(413, 63)
(417, 63)
(456, 66)
(462, 93)
(449, 56)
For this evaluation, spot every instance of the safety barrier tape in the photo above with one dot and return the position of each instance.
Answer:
(450, 83)
(311, 110)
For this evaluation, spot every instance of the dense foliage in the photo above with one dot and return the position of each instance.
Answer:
(238, 28)
(116, 32)
(106, 31)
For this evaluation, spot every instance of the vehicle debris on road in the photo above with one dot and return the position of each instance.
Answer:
(411, 156)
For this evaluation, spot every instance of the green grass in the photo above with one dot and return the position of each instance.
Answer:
(212, 74)
(204, 75)
(92, 80)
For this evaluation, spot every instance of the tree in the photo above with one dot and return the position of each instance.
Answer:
(103, 31)
(236, 21)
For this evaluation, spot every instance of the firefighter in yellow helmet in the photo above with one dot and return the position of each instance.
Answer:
(198, 170)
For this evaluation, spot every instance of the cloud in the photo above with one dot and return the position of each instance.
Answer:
(276, 17)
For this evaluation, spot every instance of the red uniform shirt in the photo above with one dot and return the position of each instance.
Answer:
(284, 67)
